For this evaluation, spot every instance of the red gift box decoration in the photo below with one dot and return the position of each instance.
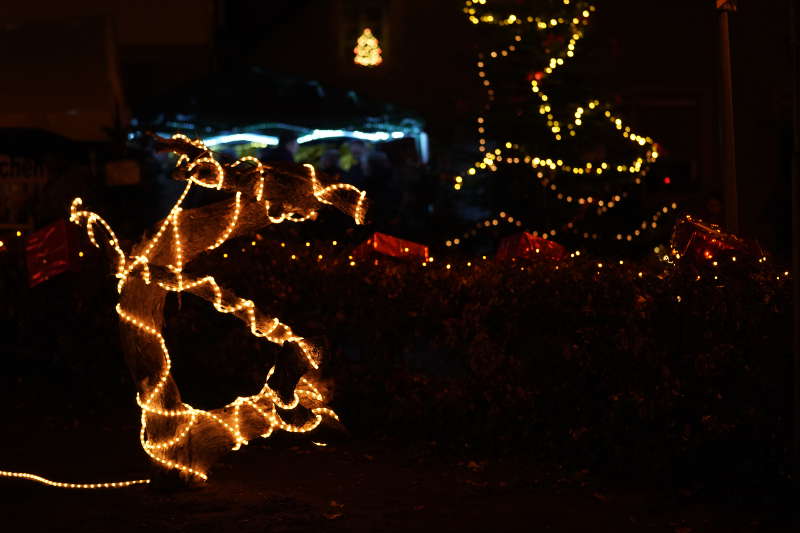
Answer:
(48, 252)
(391, 246)
(696, 240)
(528, 246)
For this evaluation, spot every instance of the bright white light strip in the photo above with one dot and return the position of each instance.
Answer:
(423, 146)
(313, 136)
(320, 134)
(330, 134)
(270, 140)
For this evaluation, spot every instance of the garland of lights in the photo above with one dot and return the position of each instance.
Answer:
(513, 154)
(174, 434)
(328, 258)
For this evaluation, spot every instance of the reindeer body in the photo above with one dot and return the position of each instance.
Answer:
(174, 434)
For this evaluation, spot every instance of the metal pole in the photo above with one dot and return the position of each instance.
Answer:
(726, 114)
(795, 50)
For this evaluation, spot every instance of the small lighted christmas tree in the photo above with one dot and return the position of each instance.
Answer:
(367, 50)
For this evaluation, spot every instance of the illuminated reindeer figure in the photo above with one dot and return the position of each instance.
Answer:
(173, 433)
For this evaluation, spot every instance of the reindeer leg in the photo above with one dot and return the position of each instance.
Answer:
(289, 400)
(296, 358)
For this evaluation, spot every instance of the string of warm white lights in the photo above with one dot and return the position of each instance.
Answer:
(326, 255)
(648, 224)
(561, 127)
(63, 485)
(173, 433)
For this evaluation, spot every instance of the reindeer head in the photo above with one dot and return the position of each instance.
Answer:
(263, 194)
(287, 191)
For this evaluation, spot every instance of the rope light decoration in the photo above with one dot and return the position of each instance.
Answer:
(63, 485)
(175, 435)
(562, 124)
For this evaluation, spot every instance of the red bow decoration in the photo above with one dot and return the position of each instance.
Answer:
(528, 246)
(391, 246)
(701, 242)
(49, 252)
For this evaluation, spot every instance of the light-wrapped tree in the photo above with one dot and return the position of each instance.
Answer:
(535, 127)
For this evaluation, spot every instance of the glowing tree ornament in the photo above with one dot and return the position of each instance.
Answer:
(174, 434)
(367, 51)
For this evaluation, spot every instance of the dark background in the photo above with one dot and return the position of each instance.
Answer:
(655, 61)
(456, 384)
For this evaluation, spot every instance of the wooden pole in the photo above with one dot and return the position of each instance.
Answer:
(726, 115)
(795, 51)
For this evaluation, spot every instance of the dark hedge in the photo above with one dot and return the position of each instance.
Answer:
(596, 366)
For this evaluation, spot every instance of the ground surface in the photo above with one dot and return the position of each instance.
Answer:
(351, 486)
